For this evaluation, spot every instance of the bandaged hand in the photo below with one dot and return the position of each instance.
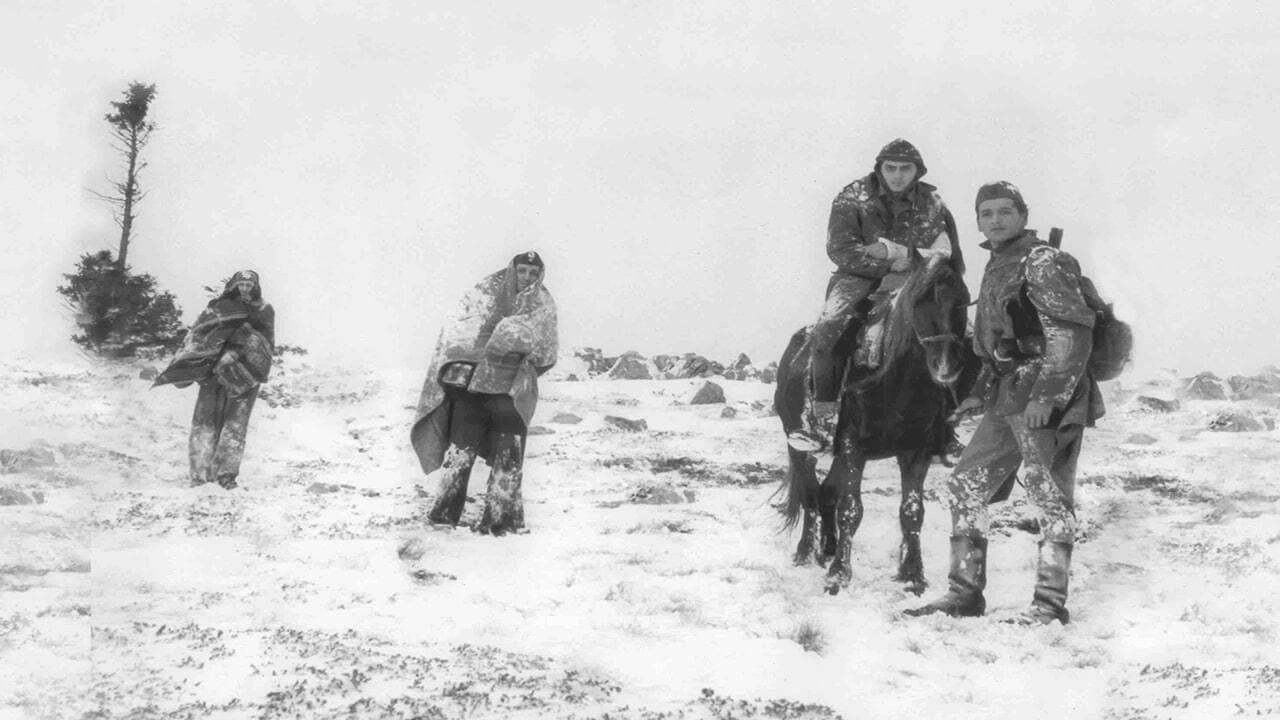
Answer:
(900, 255)
(875, 251)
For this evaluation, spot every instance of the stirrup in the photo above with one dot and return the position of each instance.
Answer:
(806, 441)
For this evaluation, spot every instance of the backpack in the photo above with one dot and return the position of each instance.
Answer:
(1112, 337)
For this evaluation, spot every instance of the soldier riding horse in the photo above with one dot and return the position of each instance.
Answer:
(898, 410)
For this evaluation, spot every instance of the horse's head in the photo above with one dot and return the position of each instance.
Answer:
(939, 318)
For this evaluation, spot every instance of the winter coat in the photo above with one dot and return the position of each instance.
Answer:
(865, 211)
(510, 336)
(1033, 331)
(227, 324)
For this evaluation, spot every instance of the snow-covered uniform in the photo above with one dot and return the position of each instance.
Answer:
(507, 338)
(864, 213)
(1033, 332)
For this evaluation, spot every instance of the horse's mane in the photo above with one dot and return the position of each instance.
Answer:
(899, 331)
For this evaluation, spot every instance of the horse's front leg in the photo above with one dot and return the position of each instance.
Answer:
(914, 466)
(828, 497)
(846, 474)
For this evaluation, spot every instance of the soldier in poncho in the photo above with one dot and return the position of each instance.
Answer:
(1033, 332)
(481, 391)
(228, 351)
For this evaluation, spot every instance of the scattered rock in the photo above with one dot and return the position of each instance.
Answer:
(1147, 402)
(626, 424)
(411, 549)
(15, 496)
(770, 373)
(1141, 439)
(541, 430)
(661, 495)
(729, 412)
(594, 360)
(631, 366)
(428, 576)
(709, 394)
(35, 456)
(742, 362)
(1205, 386)
(1236, 422)
(692, 366)
(319, 488)
(1255, 387)
(565, 418)
(664, 363)
(148, 373)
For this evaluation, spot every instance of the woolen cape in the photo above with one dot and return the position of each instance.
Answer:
(227, 323)
(510, 336)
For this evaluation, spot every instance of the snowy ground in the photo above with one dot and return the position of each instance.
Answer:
(126, 594)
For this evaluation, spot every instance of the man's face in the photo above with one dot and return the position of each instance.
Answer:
(897, 175)
(1000, 220)
(525, 275)
(244, 287)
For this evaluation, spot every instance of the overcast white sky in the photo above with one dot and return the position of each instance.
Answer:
(673, 162)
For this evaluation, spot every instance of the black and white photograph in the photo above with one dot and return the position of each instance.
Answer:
(639, 360)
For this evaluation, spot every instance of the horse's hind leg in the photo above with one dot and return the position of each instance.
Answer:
(803, 464)
(914, 466)
(846, 473)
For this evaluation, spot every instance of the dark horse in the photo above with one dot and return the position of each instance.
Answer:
(899, 410)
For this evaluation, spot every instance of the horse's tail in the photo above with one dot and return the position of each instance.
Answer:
(800, 485)
(789, 401)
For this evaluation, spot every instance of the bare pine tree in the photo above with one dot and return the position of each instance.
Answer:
(130, 132)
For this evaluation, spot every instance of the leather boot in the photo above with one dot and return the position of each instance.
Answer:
(1049, 602)
(817, 427)
(967, 579)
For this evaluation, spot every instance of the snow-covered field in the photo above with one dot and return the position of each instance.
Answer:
(653, 584)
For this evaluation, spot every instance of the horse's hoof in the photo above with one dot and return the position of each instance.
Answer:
(837, 579)
(801, 558)
(915, 587)
(824, 559)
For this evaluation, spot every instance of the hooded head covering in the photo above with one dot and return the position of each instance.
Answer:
(528, 258)
(511, 299)
(900, 150)
(244, 276)
(1000, 189)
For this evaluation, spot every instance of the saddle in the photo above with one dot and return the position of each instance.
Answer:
(869, 336)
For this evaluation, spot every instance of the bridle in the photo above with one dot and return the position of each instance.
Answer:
(941, 337)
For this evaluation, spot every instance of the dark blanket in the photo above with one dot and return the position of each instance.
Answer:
(227, 324)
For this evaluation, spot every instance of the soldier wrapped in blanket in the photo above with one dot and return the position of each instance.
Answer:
(1033, 332)
(481, 391)
(879, 225)
(228, 351)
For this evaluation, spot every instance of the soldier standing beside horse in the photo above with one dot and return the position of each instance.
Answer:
(1034, 332)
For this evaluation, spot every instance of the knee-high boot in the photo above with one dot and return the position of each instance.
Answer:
(1049, 602)
(967, 579)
